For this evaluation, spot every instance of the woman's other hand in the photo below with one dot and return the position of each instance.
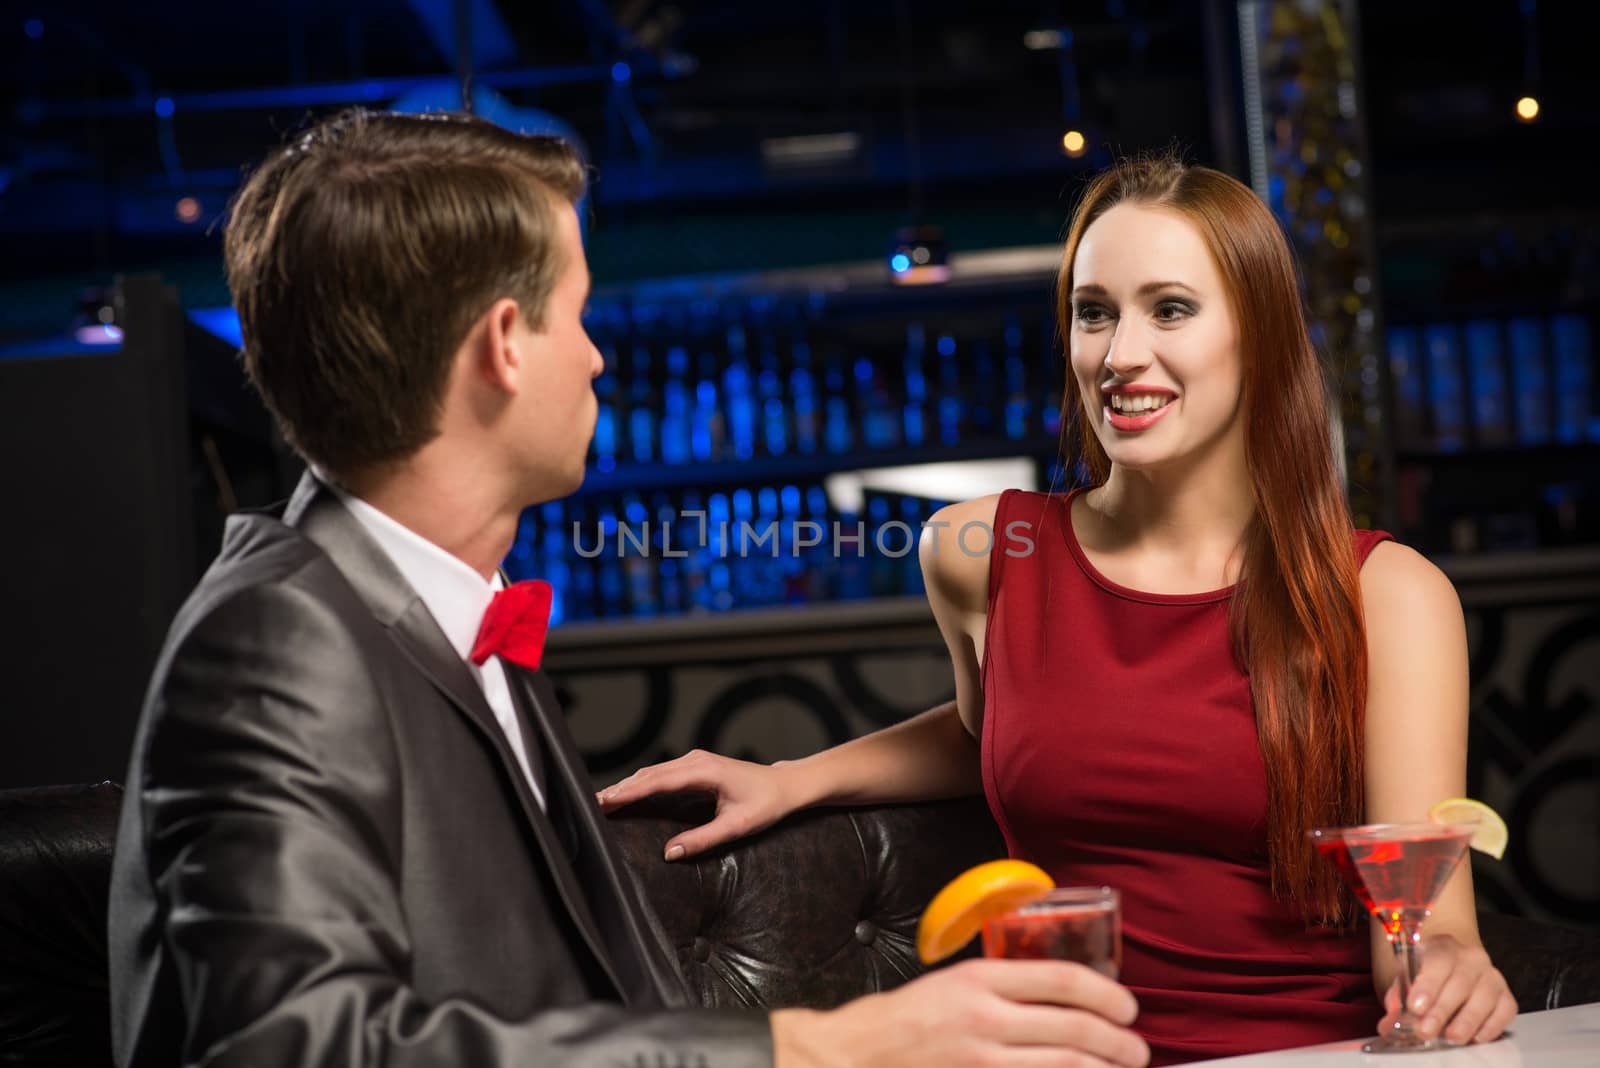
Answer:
(750, 797)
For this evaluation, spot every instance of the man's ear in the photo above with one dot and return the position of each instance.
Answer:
(501, 350)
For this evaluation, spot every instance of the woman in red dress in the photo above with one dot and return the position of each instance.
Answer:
(1166, 677)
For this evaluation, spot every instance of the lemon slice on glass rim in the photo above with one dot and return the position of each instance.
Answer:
(1491, 836)
(958, 911)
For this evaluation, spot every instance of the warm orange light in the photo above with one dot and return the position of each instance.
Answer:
(188, 210)
(1527, 109)
(1073, 142)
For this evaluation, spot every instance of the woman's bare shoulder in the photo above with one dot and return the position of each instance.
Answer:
(955, 548)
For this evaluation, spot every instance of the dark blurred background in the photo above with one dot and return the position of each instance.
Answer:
(824, 238)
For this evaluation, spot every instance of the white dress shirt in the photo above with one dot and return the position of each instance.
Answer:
(456, 596)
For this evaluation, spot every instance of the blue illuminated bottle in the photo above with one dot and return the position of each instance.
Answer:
(885, 569)
(822, 571)
(854, 549)
(791, 565)
(776, 416)
(914, 412)
(766, 562)
(1408, 374)
(952, 405)
(578, 528)
(638, 560)
(642, 406)
(1053, 373)
(1447, 394)
(691, 536)
(880, 421)
(677, 415)
(554, 564)
(665, 550)
(738, 390)
(605, 444)
(1486, 378)
(984, 411)
(611, 585)
(803, 397)
(1573, 351)
(744, 557)
(838, 430)
(913, 510)
(1019, 403)
(1530, 381)
(719, 574)
(708, 431)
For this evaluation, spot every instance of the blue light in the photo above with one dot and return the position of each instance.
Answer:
(900, 263)
(164, 106)
(947, 345)
(221, 323)
(620, 72)
(34, 28)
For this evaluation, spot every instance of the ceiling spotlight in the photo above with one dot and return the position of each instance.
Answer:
(1527, 109)
(919, 256)
(1073, 143)
(187, 210)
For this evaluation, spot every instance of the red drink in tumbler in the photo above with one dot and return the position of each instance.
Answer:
(1079, 923)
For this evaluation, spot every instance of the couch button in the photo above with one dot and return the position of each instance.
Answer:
(701, 950)
(866, 932)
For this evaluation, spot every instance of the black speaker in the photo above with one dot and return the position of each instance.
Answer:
(97, 540)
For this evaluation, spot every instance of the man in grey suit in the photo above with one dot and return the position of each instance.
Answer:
(351, 835)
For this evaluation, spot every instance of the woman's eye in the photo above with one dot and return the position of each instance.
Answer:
(1091, 314)
(1170, 310)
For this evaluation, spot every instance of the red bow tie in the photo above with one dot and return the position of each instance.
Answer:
(514, 625)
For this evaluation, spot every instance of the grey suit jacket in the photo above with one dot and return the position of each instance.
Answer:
(328, 855)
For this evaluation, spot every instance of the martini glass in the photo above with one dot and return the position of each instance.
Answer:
(1397, 869)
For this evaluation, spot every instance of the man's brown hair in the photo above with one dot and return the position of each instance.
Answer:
(361, 253)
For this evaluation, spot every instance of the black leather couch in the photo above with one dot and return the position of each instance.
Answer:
(814, 912)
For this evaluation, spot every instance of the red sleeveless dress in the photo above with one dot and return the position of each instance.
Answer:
(1119, 749)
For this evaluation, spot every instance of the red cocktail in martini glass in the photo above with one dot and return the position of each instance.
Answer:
(1397, 869)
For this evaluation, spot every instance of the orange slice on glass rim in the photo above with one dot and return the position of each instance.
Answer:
(1491, 836)
(958, 911)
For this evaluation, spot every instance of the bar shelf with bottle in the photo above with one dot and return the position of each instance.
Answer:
(1496, 396)
(729, 407)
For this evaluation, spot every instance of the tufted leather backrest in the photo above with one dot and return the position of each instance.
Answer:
(816, 911)
(55, 876)
(824, 906)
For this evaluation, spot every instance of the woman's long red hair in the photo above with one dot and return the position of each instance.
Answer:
(1296, 613)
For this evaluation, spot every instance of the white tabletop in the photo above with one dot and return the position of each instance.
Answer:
(1560, 1038)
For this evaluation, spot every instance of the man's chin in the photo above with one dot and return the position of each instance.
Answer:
(548, 486)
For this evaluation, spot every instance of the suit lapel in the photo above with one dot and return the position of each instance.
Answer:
(634, 937)
(320, 516)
